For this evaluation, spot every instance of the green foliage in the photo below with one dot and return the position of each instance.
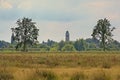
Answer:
(61, 45)
(26, 33)
(114, 45)
(103, 32)
(80, 45)
(50, 42)
(44, 47)
(4, 44)
(54, 48)
(92, 43)
(89, 44)
(68, 47)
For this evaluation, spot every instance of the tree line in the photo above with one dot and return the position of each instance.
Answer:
(26, 34)
(89, 44)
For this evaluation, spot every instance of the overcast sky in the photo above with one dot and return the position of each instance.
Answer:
(54, 17)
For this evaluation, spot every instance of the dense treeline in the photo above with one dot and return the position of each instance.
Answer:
(4, 44)
(78, 45)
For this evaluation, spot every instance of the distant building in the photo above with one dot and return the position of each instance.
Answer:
(12, 38)
(67, 36)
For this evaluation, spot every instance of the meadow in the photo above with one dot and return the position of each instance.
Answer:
(60, 66)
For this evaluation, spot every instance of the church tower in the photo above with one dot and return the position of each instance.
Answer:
(67, 36)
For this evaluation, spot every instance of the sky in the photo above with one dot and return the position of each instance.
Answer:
(55, 17)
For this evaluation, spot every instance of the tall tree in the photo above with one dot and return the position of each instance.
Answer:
(25, 33)
(103, 32)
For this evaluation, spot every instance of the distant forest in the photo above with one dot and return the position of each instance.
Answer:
(89, 44)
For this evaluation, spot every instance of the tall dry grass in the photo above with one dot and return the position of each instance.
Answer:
(66, 66)
(95, 59)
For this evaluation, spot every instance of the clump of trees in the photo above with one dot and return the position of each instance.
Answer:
(78, 45)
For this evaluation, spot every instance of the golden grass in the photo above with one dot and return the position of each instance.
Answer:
(66, 66)
(64, 73)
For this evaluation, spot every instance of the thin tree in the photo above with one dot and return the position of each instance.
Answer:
(103, 32)
(25, 33)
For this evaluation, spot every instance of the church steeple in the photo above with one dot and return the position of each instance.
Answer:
(67, 36)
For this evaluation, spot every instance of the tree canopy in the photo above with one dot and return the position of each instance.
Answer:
(103, 32)
(25, 33)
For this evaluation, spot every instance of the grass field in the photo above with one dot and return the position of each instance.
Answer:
(60, 66)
